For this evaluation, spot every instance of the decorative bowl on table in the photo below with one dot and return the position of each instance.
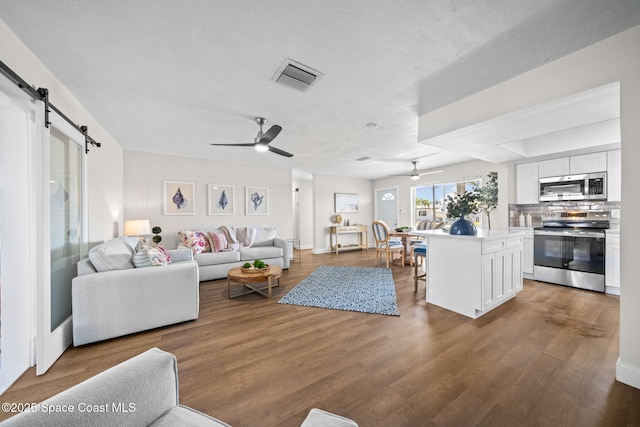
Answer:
(253, 269)
(403, 229)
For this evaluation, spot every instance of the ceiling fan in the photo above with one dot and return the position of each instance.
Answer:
(262, 140)
(415, 174)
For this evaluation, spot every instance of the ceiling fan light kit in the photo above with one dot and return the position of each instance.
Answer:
(415, 174)
(262, 140)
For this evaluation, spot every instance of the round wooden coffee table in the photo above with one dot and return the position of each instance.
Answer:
(236, 275)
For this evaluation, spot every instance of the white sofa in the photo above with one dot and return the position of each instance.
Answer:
(111, 297)
(266, 246)
(141, 391)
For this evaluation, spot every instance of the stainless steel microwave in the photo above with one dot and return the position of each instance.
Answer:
(588, 186)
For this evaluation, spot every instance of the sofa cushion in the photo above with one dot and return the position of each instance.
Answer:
(265, 236)
(114, 254)
(211, 258)
(195, 240)
(260, 252)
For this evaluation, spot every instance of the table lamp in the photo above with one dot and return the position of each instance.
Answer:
(137, 227)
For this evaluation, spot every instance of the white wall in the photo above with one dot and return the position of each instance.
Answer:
(324, 188)
(105, 163)
(145, 173)
(614, 59)
(304, 229)
(453, 173)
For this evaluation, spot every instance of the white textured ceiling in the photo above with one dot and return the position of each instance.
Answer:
(173, 76)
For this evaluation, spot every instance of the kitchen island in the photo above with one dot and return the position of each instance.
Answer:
(472, 275)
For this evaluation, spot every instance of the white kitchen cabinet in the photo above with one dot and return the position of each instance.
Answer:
(527, 183)
(588, 163)
(554, 167)
(614, 175)
(527, 256)
(501, 272)
(472, 274)
(612, 263)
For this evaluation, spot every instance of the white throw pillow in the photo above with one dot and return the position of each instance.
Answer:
(114, 254)
(246, 236)
(265, 236)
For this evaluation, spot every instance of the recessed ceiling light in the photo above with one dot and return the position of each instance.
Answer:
(372, 125)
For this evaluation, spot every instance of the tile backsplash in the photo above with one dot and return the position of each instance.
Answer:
(537, 210)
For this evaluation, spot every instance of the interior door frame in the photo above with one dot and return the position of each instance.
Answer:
(51, 344)
(376, 204)
(17, 127)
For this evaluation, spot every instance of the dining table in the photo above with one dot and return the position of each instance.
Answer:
(406, 238)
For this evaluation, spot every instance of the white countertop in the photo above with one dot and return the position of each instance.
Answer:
(481, 235)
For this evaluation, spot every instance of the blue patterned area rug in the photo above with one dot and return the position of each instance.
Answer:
(363, 289)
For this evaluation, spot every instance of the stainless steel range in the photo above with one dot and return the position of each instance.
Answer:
(569, 249)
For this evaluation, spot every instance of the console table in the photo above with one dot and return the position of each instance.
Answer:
(336, 230)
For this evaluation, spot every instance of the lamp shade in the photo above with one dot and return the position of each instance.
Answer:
(137, 227)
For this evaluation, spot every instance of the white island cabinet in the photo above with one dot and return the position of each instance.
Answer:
(473, 274)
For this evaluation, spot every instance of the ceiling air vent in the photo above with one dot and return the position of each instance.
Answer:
(296, 75)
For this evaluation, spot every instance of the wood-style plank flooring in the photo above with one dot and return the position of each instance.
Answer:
(546, 358)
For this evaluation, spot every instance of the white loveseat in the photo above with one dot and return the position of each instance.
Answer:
(214, 263)
(111, 297)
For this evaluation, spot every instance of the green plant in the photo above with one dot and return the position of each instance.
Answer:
(462, 205)
(259, 263)
(488, 196)
(246, 265)
(423, 203)
(157, 238)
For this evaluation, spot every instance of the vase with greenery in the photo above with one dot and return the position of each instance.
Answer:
(459, 206)
(488, 196)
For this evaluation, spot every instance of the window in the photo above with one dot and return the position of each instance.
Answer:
(431, 200)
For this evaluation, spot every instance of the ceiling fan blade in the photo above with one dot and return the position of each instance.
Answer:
(279, 151)
(270, 134)
(429, 172)
(235, 145)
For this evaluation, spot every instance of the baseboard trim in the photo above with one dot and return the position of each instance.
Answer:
(627, 374)
(613, 290)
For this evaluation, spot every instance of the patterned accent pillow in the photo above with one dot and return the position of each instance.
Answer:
(167, 255)
(147, 256)
(195, 240)
(218, 241)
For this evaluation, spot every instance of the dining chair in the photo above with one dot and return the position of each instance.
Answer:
(421, 225)
(419, 250)
(384, 243)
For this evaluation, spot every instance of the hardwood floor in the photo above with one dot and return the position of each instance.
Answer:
(546, 358)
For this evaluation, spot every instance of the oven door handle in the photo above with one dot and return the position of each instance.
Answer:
(569, 234)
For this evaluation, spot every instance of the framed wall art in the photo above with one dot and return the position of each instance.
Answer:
(257, 200)
(179, 198)
(346, 202)
(221, 199)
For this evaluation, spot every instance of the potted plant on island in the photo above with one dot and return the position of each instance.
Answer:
(459, 206)
(488, 196)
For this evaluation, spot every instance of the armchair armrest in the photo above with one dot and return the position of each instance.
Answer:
(135, 392)
(284, 244)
